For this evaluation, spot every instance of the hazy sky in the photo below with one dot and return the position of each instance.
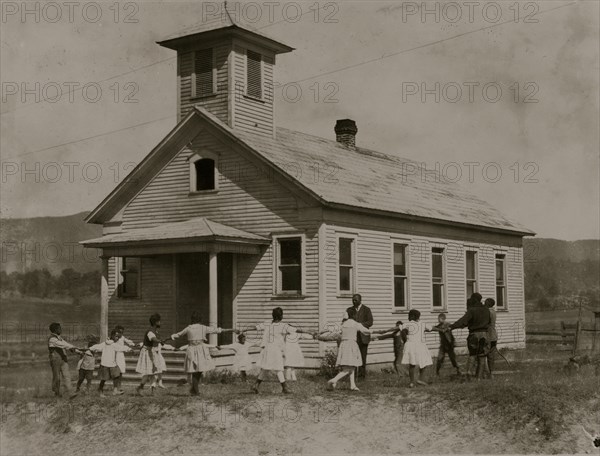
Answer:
(541, 132)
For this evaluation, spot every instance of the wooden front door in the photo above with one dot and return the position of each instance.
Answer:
(193, 293)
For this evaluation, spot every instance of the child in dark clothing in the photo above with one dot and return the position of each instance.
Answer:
(395, 334)
(446, 344)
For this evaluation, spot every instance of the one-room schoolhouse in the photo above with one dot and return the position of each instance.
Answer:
(231, 216)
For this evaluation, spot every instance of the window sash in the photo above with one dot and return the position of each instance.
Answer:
(130, 273)
(400, 274)
(346, 264)
(289, 269)
(437, 278)
(501, 296)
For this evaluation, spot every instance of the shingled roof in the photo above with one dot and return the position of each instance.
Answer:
(198, 228)
(354, 179)
(367, 179)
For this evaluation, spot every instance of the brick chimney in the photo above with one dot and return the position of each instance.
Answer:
(345, 132)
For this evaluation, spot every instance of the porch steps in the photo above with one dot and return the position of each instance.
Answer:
(174, 360)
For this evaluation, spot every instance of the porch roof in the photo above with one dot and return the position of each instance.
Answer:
(204, 233)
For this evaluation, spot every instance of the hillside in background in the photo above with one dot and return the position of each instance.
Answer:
(41, 257)
(48, 243)
(559, 274)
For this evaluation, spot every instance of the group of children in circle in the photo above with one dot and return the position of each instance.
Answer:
(280, 352)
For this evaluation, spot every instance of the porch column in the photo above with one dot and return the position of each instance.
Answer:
(104, 297)
(212, 295)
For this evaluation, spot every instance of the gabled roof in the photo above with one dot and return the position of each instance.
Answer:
(198, 229)
(353, 179)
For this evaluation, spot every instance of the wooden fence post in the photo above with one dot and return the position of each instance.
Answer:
(577, 336)
(596, 333)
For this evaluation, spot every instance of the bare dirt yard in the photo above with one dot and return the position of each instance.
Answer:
(532, 406)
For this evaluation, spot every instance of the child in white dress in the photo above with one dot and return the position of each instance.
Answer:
(348, 357)
(292, 354)
(197, 355)
(273, 342)
(416, 353)
(242, 362)
(151, 362)
(123, 341)
(108, 363)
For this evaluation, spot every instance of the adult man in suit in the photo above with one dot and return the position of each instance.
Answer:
(365, 318)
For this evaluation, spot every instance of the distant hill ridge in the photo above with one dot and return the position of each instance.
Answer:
(52, 243)
(47, 242)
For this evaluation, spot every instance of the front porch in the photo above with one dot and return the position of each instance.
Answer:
(173, 269)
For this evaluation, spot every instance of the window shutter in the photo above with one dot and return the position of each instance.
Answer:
(253, 75)
(203, 69)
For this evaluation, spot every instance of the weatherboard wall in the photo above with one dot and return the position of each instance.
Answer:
(374, 281)
(247, 198)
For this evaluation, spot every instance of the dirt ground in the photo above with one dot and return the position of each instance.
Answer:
(525, 409)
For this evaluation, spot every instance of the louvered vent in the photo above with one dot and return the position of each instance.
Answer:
(203, 68)
(253, 75)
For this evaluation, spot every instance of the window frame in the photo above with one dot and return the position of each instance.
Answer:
(122, 279)
(444, 278)
(504, 285)
(475, 270)
(262, 75)
(276, 259)
(194, 89)
(193, 176)
(353, 275)
(406, 244)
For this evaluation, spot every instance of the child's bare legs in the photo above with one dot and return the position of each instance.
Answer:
(352, 382)
(117, 386)
(288, 373)
(421, 380)
(101, 387)
(452, 357)
(259, 380)
(145, 379)
(440, 361)
(294, 378)
(195, 390)
(345, 371)
(160, 382)
(155, 378)
(411, 373)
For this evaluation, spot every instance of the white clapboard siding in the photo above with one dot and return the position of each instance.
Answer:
(246, 199)
(217, 103)
(252, 115)
(157, 296)
(374, 280)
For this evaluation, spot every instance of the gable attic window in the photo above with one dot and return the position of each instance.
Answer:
(253, 74)
(202, 175)
(203, 83)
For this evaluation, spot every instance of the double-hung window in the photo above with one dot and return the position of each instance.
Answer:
(438, 278)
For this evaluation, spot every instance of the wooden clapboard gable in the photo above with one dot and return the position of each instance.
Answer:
(248, 198)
